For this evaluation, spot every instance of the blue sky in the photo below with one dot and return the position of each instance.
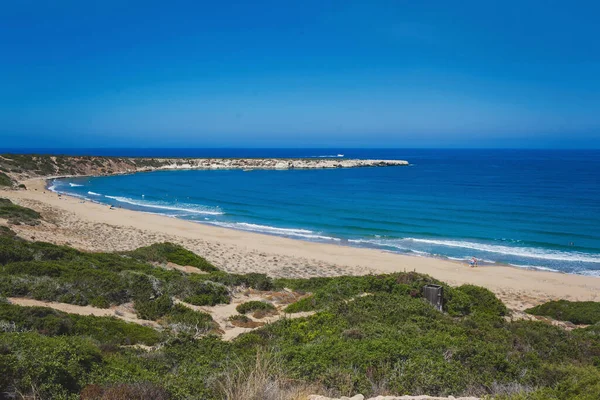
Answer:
(308, 74)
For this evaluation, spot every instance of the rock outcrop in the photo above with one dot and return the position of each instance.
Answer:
(22, 167)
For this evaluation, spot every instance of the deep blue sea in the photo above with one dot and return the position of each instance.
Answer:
(531, 208)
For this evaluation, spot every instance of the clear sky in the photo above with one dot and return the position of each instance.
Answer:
(299, 73)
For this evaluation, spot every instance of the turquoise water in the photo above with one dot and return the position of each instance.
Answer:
(530, 208)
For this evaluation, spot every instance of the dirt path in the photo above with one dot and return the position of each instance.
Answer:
(122, 312)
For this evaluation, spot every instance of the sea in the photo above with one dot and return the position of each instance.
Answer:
(535, 209)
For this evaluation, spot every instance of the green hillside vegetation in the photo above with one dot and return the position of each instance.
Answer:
(16, 214)
(369, 334)
(49, 322)
(169, 252)
(49, 165)
(577, 312)
(5, 180)
(251, 306)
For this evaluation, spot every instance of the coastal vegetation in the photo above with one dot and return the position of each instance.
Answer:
(577, 312)
(5, 180)
(169, 252)
(252, 306)
(20, 166)
(371, 334)
(16, 214)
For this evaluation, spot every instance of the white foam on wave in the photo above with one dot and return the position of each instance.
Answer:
(191, 208)
(303, 233)
(74, 184)
(528, 252)
(52, 187)
(589, 273)
(535, 267)
(94, 193)
(407, 244)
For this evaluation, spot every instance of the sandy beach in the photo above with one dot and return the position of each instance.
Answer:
(94, 227)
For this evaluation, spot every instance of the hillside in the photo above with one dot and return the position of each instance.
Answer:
(25, 166)
(162, 322)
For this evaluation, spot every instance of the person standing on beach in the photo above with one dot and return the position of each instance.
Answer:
(473, 262)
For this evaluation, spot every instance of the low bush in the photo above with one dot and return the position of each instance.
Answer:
(251, 306)
(252, 280)
(169, 252)
(186, 320)
(467, 299)
(240, 318)
(369, 334)
(153, 309)
(577, 312)
(16, 214)
(6, 231)
(52, 323)
(35, 366)
(125, 391)
(5, 180)
(305, 304)
(200, 292)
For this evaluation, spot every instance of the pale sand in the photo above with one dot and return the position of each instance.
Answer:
(94, 227)
(124, 311)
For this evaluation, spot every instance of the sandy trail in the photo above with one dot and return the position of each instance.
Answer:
(122, 312)
(94, 227)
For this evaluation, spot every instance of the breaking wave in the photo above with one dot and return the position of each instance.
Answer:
(190, 208)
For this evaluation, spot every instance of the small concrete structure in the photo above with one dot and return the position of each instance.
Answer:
(435, 295)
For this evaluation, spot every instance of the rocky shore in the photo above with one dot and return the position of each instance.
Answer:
(273, 163)
(21, 167)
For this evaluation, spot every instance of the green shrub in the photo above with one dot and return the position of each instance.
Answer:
(186, 320)
(467, 299)
(577, 312)
(169, 252)
(153, 309)
(252, 280)
(123, 391)
(329, 291)
(305, 304)
(251, 306)
(459, 303)
(6, 231)
(5, 180)
(16, 214)
(51, 323)
(240, 318)
(45, 367)
(370, 334)
(199, 292)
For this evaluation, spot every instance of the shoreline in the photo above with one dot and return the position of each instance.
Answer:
(333, 240)
(92, 226)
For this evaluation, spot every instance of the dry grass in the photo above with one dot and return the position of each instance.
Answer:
(263, 380)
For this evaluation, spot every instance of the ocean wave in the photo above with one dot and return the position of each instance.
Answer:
(589, 273)
(408, 244)
(191, 208)
(52, 187)
(528, 252)
(94, 193)
(303, 233)
(535, 267)
(74, 185)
